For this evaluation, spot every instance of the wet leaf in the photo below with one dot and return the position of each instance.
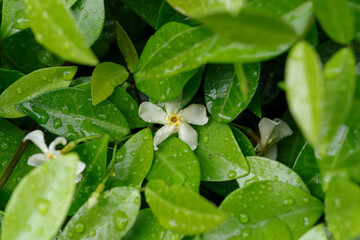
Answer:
(8, 77)
(244, 143)
(14, 18)
(318, 232)
(126, 48)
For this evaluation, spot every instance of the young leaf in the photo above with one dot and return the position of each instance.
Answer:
(111, 218)
(224, 97)
(13, 18)
(342, 211)
(267, 209)
(68, 112)
(32, 85)
(133, 160)
(148, 227)
(128, 106)
(126, 48)
(105, 78)
(318, 232)
(219, 160)
(175, 163)
(266, 169)
(90, 17)
(336, 18)
(180, 209)
(93, 154)
(48, 191)
(61, 34)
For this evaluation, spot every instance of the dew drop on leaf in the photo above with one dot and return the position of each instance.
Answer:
(79, 227)
(57, 123)
(289, 201)
(4, 146)
(244, 218)
(121, 220)
(42, 206)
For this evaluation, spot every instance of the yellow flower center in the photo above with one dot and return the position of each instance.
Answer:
(174, 119)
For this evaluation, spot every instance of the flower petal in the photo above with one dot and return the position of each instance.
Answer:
(173, 106)
(152, 113)
(273, 130)
(37, 137)
(78, 178)
(37, 159)
(80, 167)
(162, 134)
(271, 152)
(53, 144)
(188, 135)
(195, 114)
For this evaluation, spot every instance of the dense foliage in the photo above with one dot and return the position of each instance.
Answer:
(180, 119)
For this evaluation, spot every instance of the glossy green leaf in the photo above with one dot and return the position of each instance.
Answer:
(8, 77)
(255, 104)
(61, 34)
(219, 160)
(198, 8)
(90, 17)
(335, 17)
(224, 97)
(133, 160)
(13, 18)
(111, 218)
(93, 154)
(191, 87)
(128, 106)
(252, 26)
(69, 112)
(126, 48)
(221, 188)
(180, 209)
(26, 54)
(266, 169)
(244, 143)
(31, 86)
(307, 167)
(147, 10)
(318, 232)
(354, 5)
(105, 78)
(267, 210)
(342, 209)
(175, 163)
(48, 191)
(10, 137)
(147, 227)
(70, 2)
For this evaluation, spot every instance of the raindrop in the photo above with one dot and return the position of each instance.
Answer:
(134, 140)
(289, 201)
(57, 123)
(132, 107)
(103, 116)
(79, 227)
(42, 206)
(133, 153)
(244, 218)
(276, 178)
(44, 78)
(246, 232)
(306, 200)
(19, 91)
(92, 234)
(4, 146)
(206, 139)
(121, 220)
(70, 234)
(231, 174)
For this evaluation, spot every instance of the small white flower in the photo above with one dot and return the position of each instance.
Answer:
(174, 120)
(37, 137)
(271, 131)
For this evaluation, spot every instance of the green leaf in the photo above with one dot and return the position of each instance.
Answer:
(32, 85)
(90, 17)
(198, 8)
(48, 191)
(318, 232)
(219, 160)
(335, 17)
(128, 106)
(243, 142)
(133, 160)
(267, 210)
(111, 218)
(147, 227)
(93, 154)
(266, 169)
(105, 78)
(126, 48)
(175, 163)
(61, 34)
(354, 5)
(147, 10)
(224, 97)
(252, 26)
(307, 167)
(255, 104)
(180, 209)
(342, 209)
(13, 18)
(8, 77)
(68, 112)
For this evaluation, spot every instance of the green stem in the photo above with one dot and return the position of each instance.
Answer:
(71, 145)
(112, 162)
(249, 132)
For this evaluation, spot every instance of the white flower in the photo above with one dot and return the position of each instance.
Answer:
(174, 120)
(37, 137)
(271, 131)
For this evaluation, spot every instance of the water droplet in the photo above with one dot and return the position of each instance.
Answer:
(79, 227)
(289, 201)
(44, 78)
(70, 234)
(133, 153)
(103, 116)
(276, 178)
(121, 220)
(244, 218)
(19, 91)
(65, 109)
(246, 232)
(126, 99)
(92, 234)
(4, 146)
(262, 206)
(306, 200)
(132, 107)
(57, 123)
(231, 174)
(42, 206)
(206, 138)
(134, 140)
